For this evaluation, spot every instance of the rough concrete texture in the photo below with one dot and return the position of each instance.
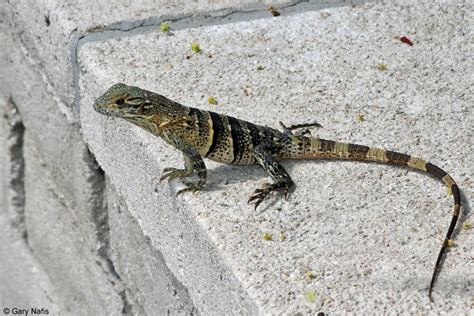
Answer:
(62, 148)
(354, 237)
(141, 266)
(62, 215)
(23, 282)
(65, 245)
(51, 30)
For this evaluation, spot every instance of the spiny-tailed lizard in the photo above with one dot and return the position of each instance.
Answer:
(198, 133)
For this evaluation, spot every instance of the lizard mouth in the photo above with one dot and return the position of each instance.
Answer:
(107, 110)
(97, 107)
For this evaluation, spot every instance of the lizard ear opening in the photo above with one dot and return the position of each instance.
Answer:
(120, 101)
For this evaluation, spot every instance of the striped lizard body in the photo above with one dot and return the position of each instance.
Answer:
(198, 133)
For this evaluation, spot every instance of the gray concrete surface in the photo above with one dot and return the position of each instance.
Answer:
(63, 241)
(141, 266)
(23, 282)
(27, 285)
(367, 233)
(61, 208)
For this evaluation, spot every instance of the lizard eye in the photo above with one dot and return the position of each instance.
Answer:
(120, 101)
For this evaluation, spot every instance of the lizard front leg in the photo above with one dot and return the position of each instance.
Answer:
(193, 162)
(282, 180)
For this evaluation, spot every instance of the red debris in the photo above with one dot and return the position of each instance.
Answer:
(406, 40)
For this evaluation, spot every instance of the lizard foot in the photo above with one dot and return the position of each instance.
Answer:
(193, 187)
(260, 194)
(172, 173)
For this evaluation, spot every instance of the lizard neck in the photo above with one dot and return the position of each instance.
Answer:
(150, 123)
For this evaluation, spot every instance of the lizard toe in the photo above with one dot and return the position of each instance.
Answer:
(172, 173)
(193, 187)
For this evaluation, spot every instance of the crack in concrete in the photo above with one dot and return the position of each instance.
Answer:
(16, 185)
(100, 216)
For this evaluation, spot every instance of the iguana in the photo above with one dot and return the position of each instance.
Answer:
(198, 133)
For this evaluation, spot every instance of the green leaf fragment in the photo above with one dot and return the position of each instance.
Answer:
(267, 236)
(382, 67)
(195, 47)
(360, 117)
(310, 296)
(165, 27)
(212, 100)
(259, 67)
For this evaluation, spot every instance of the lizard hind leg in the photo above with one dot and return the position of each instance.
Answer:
(282, 180)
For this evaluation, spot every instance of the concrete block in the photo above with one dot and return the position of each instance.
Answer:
(140, 266)
(66, 244)
(360, 237)
(23, 281)
(63, 211)
(60, 144)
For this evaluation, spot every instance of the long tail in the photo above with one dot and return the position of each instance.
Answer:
(314, 148)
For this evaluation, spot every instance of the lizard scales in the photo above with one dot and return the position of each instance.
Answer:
(198, 133)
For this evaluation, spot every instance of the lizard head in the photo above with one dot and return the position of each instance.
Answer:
(143, 108)
(124, 101)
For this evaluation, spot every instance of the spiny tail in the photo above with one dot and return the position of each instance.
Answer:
(314, 148)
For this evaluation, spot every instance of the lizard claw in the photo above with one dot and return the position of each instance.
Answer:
(257, 197)
(193, 187)
(260, 194)
(172, 173)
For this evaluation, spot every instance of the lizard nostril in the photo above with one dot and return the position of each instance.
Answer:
(120, 101)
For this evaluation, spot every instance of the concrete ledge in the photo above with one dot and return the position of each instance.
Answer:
(360, 237)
